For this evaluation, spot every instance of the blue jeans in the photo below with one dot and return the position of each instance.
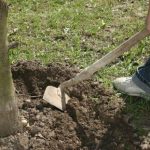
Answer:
(142, 77)
(143, 73)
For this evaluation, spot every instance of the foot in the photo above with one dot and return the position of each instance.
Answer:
(127, 86)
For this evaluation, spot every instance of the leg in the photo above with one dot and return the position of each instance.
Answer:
(138, 84)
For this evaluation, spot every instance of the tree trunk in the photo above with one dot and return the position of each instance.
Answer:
(9, 120)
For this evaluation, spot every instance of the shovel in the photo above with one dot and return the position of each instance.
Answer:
(58, 98)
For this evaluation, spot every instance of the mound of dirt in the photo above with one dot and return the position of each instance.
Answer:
(92, 121)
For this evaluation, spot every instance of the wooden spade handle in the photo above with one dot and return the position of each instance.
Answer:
(105, 60)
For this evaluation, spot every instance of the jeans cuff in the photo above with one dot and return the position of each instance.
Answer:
(143, 79)
(139, 82)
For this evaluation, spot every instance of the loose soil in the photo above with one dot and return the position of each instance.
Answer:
(93, 119)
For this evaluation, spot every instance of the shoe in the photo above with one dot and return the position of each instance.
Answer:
(126, 86)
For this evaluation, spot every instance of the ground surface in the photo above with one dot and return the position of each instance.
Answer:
(78, 32)
(94, 118)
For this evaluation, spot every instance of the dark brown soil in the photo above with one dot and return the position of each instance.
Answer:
(93, 119)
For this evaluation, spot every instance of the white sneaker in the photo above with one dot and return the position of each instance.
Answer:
(127, 86)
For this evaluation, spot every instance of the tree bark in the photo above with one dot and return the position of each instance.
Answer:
(9, 118)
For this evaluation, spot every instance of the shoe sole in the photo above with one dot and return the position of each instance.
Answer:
(147, 97)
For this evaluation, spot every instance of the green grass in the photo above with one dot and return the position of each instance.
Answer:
(80, 32)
